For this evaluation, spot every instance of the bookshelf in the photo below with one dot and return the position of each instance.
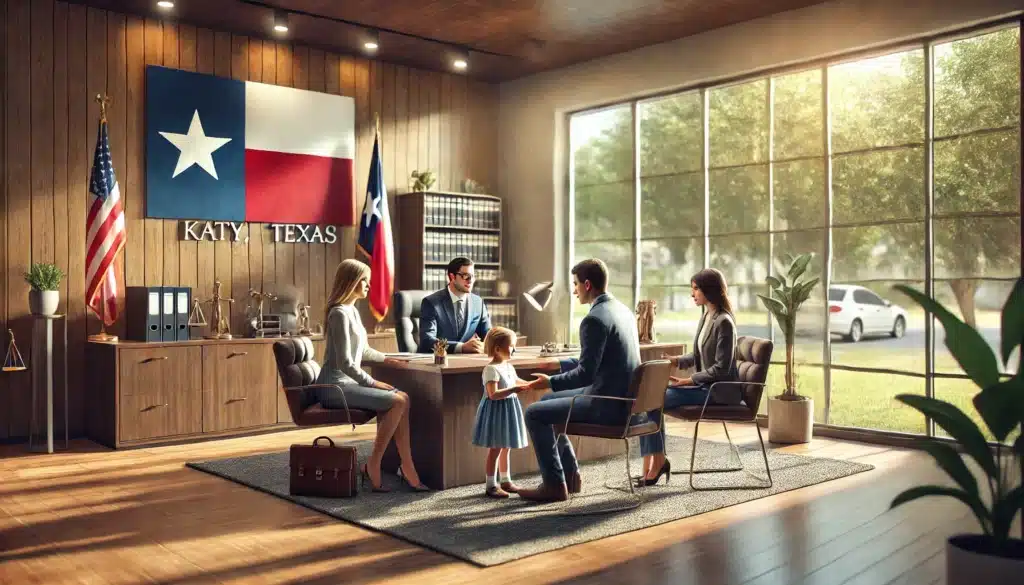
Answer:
(438, 226)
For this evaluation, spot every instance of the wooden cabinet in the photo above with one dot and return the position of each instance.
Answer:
(147, 393)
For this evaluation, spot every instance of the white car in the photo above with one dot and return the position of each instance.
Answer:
(854, 311)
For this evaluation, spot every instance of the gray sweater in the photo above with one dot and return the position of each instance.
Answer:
(346, 349)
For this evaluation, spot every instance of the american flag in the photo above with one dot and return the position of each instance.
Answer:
(104, 232)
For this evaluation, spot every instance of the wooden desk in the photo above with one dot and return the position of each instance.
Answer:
(444, 401)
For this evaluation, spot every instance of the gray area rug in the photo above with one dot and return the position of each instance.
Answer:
(461, 522)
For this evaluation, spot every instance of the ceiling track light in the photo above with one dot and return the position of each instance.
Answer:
(280, 21)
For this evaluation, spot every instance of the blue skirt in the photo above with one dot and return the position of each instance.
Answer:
(500, 424)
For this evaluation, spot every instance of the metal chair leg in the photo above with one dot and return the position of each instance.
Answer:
(736, 487)
(637, 498)
(734, 448)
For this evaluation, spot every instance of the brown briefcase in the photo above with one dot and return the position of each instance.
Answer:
(324, 471)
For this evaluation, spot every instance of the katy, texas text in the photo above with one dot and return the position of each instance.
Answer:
(215, 231)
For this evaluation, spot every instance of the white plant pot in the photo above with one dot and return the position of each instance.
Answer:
(966, 566)
(790, 421)
(43, 302)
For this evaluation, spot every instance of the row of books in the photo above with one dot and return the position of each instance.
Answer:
(485, 284)
(462, 211)
(443, 246)
(503, 315)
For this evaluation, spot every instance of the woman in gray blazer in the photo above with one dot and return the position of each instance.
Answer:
(346, 349)
(713, 360)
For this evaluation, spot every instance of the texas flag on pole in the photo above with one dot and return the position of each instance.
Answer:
(375, 238)
(228, 150)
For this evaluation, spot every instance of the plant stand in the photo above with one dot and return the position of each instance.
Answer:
(790, 421)
(42, 343)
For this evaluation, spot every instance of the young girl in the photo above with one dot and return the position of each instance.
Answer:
(499, 422)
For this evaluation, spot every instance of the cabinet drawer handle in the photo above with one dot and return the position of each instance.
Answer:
(237, 353)
(154, 359)
(230, 400)
(152, 407)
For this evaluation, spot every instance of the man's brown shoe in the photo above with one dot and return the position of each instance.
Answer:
(509, 487)
(546, 492)
(574, 482)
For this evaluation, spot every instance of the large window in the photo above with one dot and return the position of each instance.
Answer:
(861, 162)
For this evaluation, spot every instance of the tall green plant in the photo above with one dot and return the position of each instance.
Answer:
(787, 295)
(1001, 406)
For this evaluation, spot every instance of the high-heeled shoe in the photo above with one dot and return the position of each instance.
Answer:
(365, 477)
(415, 488)
(666, 470)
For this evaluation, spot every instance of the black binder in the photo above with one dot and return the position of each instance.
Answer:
(182, 307)
(143, 313)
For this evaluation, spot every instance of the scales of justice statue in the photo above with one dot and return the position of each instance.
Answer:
(257, 323)
(219, 326)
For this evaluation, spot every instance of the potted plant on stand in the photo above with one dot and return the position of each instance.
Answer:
(992, 557)
(44, 297)
(790, 415)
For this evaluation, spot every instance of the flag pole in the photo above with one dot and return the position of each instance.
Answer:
(103, 101)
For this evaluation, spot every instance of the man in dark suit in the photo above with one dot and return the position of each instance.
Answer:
(609, 354)
(455, 313)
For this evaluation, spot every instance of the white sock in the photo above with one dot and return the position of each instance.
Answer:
(490, 481)
(506, 476)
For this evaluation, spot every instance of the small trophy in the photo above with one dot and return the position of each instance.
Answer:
(441, 352)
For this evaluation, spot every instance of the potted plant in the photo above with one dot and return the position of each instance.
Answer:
(45, 280)
(992, 556)
(790, 415)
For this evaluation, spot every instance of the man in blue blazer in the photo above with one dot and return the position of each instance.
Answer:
(609, 354)
(455, 313)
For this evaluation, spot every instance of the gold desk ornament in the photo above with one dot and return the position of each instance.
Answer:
(219, 326)
(645, 312)
(303, 321)
(13, 362)
(441, 352)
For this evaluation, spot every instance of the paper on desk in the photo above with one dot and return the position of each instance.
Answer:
(410, 356)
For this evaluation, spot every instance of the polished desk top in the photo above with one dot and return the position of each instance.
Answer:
(527, 357)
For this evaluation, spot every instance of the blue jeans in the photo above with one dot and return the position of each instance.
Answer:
(675, 396)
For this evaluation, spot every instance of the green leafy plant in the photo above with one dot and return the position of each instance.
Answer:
(787, 295)
(44, 276)
(423, 180)
(1000, 403)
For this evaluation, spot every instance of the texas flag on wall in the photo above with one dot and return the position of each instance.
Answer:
(227, 150)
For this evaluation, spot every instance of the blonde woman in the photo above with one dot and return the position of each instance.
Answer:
(346, 349)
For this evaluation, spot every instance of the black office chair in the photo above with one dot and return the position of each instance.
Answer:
(407, 318)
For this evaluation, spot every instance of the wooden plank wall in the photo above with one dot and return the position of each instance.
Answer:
(58, 56)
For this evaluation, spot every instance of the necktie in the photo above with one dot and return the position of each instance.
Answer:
(459, 319)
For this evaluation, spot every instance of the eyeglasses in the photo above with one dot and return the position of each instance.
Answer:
(465, 276)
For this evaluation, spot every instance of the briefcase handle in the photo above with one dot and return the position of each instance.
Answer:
(323, 437)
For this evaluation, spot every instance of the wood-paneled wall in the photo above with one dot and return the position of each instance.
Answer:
(59, 56)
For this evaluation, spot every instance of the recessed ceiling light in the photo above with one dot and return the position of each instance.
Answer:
(460, 64)
(280, 21)
(165, 4)
(370, 45)
(371, 40)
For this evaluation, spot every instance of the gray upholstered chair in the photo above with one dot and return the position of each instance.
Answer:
(298, 371)
(753, 356)
(646, 394)
(407, 318)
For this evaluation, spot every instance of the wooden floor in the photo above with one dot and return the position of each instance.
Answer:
(96, 516)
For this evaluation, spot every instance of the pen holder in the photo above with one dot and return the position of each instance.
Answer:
(441, 352)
